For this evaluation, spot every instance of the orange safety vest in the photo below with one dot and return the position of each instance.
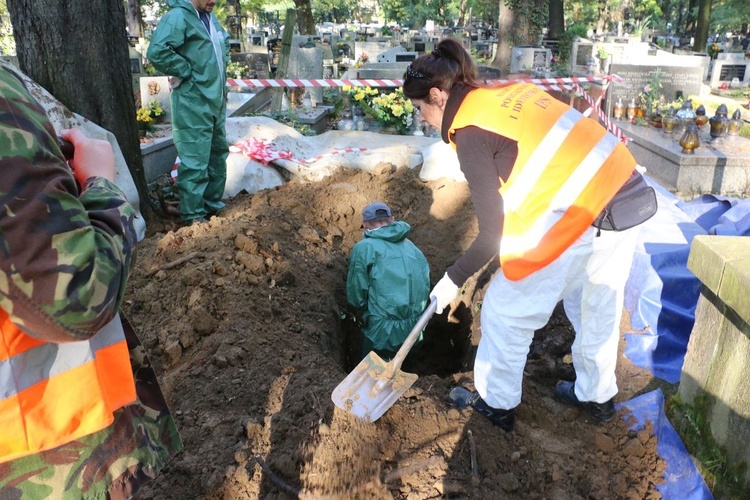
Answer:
(568, 168)
(51, 394)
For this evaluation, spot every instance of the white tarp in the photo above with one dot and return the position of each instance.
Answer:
(313, 158)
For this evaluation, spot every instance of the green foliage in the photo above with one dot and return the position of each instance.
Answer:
(333, 97)
(290, 118)
(335, 11)
(535, 14)
(566, 43)
(400, 11)
(729, 15)
(237, 70)
(692, 423)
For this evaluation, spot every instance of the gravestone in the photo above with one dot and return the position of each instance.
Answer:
(396, 54)
(156, 88)
(488, 73)
(256, 61)
(724, 70)
(674, 80)
(371, 49)
(532, 59)
(274, 51)
(582, 53)
(257, 40)
(307, 63)
(136, 66)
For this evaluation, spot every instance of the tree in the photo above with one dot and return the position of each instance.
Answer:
(505, 22)
(520, 22)
(703, 22)
(78, 51)
(556, 25)
(135, 18)
(305, 21)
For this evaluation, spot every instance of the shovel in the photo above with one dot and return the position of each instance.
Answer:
(374, 385)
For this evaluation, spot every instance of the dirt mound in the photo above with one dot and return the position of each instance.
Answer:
(245, 319)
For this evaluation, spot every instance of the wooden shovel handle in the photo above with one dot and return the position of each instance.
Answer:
(412, 338)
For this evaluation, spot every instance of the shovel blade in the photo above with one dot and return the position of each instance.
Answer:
(368, 391)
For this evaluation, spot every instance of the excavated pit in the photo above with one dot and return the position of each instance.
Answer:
(249, 338)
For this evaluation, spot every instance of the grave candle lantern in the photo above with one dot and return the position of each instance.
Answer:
(718, 122)
(690, 140)
(669, 122)
(735, 124)
(631, 109)
(619, 109)
(700, 116)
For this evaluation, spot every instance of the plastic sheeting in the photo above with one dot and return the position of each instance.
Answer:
(681, 478)
(661, 293)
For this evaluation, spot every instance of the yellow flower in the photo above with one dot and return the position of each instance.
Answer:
(144, 115)
(397, 110)
(346, 88)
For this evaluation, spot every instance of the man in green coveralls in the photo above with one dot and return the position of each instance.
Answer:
(192, 48)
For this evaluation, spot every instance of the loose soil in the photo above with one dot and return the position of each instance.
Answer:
(246, 321)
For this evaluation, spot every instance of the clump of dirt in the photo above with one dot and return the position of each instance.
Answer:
(245, 319)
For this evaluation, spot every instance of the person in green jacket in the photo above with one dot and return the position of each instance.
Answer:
(192, 48)
(388, 280)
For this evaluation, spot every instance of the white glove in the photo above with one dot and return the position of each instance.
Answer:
(444, 292)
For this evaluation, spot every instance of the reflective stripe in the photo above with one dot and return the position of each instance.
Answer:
(539, 160)
(48, 360)
(565, 198)
(55, 393)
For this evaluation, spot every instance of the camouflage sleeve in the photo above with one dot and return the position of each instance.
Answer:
(64, 255)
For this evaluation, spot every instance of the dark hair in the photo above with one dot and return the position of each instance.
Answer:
(449, 64)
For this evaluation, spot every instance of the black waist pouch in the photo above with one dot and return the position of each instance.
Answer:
(634, 204)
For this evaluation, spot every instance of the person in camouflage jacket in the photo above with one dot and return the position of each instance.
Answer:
(67, 242)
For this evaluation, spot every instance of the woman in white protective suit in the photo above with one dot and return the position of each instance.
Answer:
(559, 199)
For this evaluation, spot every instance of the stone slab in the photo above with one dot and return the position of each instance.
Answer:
(735, 284)
(710, 254)
(696, 368)
(718, 166)
(718, 352)
(158, 157)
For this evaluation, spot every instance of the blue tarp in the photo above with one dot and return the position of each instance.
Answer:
(682, 480)
(661, 293)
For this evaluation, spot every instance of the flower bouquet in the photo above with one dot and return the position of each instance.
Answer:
(148, 115)
(390, 110)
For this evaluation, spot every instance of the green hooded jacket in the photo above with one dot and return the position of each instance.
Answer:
(182, 47)
(388, 279)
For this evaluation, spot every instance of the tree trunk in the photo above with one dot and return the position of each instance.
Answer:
(78, 51)
(305, 20)
(703, 22)
(556, 25)
(505, 22)
(135, 20)
(463, 6)
(665, 8)
(689, 17)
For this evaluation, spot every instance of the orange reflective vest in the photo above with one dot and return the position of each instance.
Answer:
(51, 394)
(568, 168)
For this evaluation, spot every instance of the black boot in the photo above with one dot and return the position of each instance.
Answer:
(463, 398)
(601, 412)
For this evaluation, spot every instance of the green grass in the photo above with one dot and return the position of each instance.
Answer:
(691, 422)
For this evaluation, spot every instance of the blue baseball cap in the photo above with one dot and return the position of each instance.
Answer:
(375, 210)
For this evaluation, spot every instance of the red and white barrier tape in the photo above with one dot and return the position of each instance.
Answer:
(568, 83)
(369, 82)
